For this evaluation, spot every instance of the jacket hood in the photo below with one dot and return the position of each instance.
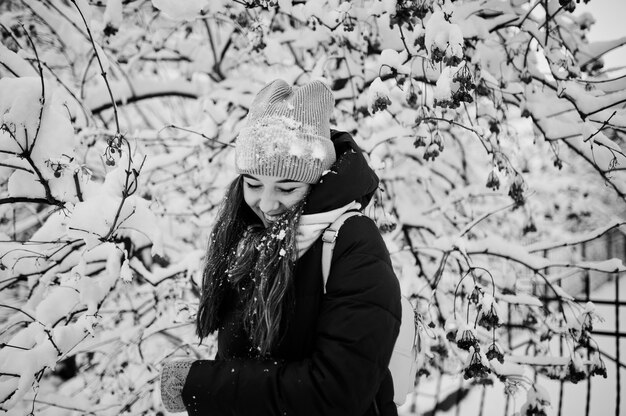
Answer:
(349, 179)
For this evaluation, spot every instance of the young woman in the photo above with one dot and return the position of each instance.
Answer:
(287, 344)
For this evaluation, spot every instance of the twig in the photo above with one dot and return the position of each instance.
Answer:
(613, 104)
(84, 77)
(17, 199)
(44, 182)
(65, 16)
(79, 193)
(471, 225)
(60, 406)
(42, 100)
(548, 18)
(406, 48)
(530, 10)
(18, 310)
(49, 333)
(620, 193)
(171, 126)
(17, 347)
(102, 71)
(601, 127)
(69, 91)
(455, 123)
(216, 62)
(126, 192)
(16, 167)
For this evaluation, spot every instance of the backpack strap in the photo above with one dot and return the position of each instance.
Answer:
(329, 237)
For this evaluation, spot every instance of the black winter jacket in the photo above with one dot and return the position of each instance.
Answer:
(333, 357)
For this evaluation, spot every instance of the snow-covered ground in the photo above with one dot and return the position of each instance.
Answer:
(603, 394)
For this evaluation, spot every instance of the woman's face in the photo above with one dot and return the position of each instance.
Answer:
(271, 196)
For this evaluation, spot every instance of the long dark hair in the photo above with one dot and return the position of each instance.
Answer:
(254, 261)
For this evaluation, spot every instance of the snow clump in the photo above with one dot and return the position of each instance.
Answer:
(377, 96)
(394, 60)
(443, 40)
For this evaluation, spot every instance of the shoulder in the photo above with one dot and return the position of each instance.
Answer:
(360, 235)
(361, 267)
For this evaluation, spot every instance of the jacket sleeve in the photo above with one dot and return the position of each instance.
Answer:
(357, 327)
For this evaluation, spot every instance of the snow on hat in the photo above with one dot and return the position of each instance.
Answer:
(287, 132)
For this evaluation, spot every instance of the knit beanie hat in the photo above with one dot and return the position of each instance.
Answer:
(287, 133)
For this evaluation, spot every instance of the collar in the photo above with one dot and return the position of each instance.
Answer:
(311, 226)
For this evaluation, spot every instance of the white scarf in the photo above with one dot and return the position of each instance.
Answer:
(311, 226)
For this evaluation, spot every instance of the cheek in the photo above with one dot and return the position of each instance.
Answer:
(295, 198)
(250, 198)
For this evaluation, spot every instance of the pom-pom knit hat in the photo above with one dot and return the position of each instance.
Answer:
(287, 133)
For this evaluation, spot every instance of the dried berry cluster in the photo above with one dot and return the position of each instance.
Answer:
(433, 144)
(482, 90)
(516, 191)
(265, 4)
(114, 148)
(464, 78)
(467, 340)
(493, 181)
(529, 226)
(535, 410)
(381, 103)
(597, 367)
(387, 224)
(441, 349)
(257, 39)
(574, 373)
(439, 55)
(476, 368)
(412, 96)
(570, 5)
(109, 30)
(409, 11)
(462, 84)
(489, 319)
(56, 166)
(494, 351)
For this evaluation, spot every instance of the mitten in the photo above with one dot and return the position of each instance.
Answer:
(173, 376)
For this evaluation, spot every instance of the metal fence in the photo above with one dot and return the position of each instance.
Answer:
(448, 395)
(607, 291)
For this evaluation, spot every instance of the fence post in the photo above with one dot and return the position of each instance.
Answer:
(510, 342)
(437, 395)
(617, 338)
(558, 282)
(482, 401)
(583, 255)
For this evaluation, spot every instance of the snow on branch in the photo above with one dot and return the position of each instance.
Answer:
(134, 90)
(594, 51)
(495, 246)
(494, 128)
(15, 64)
(575, 239)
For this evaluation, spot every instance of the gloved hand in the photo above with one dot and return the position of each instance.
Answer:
(173, 376)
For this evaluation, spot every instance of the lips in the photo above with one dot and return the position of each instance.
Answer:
(271, 218)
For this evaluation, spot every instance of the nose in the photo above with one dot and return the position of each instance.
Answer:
(268, 202)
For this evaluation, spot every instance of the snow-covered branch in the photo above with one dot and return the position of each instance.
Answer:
(496, 134)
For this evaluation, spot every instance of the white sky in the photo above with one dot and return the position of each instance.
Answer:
(610, 24)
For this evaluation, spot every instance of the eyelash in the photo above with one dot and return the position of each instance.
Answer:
(284, 191)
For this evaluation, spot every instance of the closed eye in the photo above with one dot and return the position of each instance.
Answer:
(252, 186)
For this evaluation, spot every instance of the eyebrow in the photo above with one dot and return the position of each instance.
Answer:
(245, 175)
